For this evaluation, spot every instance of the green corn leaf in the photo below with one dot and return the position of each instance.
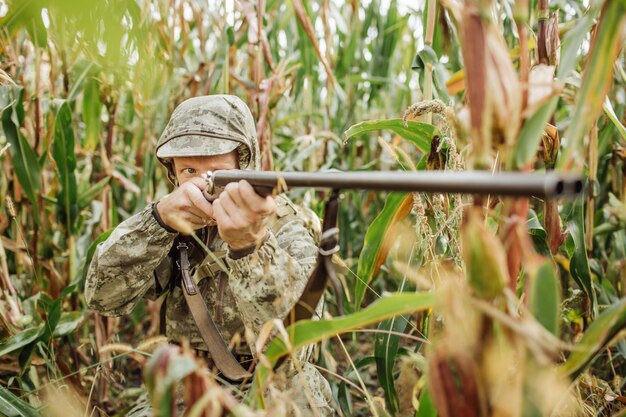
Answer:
(305, 44)
(597, 77)
(27, 15)
(599, 334)
(25, 357)
(52, 319)
(390, 27)
(544, 300)
(306, 332)
(126, 111)
(343, 393)
(579, 264)
(610, 112)
(530, 135)
(426, 405)
(65, 158)
(385, 351)
(425, 56)
(574, 38)
(13, 406)
(378, 239)
(420, 134)
(85, 198)
(79, 75)
(92, 109)
(538, 233)
(68, 323)
(359, 365)
(19, 340)
(24, 159)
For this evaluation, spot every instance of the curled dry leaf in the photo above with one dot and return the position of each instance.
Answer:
(493, 86)
(504, 90)
(125, 182)
(553, 42)
(550, 145)
(455, 384)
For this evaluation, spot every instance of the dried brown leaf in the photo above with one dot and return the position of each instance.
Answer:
(303, 17)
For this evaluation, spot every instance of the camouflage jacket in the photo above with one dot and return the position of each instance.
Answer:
(139, 260)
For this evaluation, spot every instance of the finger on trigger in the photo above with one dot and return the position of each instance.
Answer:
(193, 219)
(200, 183)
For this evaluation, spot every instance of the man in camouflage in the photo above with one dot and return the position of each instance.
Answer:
(264, 243)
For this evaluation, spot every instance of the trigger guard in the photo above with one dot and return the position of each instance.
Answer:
(208, 195)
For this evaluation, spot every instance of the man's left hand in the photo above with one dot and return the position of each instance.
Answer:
(241, 215)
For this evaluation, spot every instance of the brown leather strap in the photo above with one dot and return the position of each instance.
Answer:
(221, 356)
(315, 287)
(303, 309)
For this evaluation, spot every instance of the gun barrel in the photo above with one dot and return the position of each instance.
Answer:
(550, 185)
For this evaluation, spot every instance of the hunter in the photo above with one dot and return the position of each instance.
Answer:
(265, 244)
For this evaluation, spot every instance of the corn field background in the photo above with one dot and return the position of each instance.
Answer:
(447, 305)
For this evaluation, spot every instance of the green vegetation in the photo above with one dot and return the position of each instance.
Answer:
(499, 307)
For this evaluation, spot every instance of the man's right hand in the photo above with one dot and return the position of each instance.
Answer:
(186, 209)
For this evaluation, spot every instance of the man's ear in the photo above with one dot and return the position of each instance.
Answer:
(171, 171)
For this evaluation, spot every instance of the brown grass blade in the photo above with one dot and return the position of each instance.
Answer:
(304, 20)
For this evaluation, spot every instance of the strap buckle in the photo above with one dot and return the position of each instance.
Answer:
(183, 265)
(328, 236)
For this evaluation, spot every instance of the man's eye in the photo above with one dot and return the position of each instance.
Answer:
(189, 171)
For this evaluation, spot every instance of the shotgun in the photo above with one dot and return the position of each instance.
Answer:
(546, 186)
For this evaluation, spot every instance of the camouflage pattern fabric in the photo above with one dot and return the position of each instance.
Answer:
(210, 125)
(134, 263)
(137, 260)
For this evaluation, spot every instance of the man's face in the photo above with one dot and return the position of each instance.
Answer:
(189, 167)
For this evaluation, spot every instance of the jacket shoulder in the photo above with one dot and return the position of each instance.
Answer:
(287, 211)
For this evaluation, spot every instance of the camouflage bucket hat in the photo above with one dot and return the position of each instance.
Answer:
(207, 126)
(196, 145)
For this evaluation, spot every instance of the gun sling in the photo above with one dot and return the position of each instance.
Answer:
(222, 357)
(304, 308)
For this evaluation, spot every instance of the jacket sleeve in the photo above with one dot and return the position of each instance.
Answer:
(269, 281)
(131, 264)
